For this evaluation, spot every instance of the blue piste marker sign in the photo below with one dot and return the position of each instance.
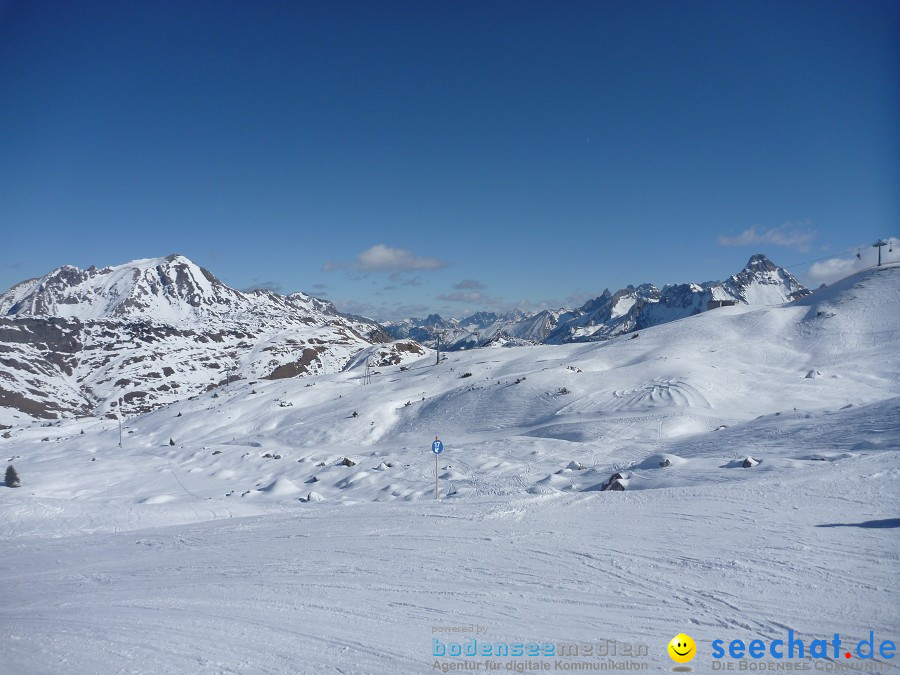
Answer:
(437, 448)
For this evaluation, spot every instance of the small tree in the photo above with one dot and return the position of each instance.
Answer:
(171, 441)
(12, 478)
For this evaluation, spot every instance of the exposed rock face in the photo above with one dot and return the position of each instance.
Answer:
(391, 354)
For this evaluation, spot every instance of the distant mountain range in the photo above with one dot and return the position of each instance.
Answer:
(153, 331)
(761, 282)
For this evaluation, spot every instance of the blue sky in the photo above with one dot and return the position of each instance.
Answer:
(406, 157)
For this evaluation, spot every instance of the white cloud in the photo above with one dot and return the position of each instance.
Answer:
(404, 279)
(471, 296)
(469, 284)
(796, 235)
(577, 298)
(833, 269)
(381, 258)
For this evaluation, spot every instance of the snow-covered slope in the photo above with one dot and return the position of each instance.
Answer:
(155, 331)
(603, 404)
(135, 558)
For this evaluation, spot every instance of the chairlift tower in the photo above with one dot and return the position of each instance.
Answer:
(879, 244)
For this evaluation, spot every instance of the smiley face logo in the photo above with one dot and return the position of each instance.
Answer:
(682, 648)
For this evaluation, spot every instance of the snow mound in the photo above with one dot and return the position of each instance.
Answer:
(357, 479)
(315, 497)
(660, 461)
(281, 487)
(537, 489)
(743, 463)
(682, 425)
(158, 499)
(554, 481)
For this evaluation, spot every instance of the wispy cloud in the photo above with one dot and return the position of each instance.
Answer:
(257, 285)
(382, 311)
(381, 258)
(577, 298)
(354, 307)
(833, 269)
(469, 284)
(464, 296)
(795, 234)
(480, 300)
(404, 279)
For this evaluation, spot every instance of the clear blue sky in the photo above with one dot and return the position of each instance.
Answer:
(406, 157)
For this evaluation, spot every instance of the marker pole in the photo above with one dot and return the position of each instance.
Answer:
(436, 477)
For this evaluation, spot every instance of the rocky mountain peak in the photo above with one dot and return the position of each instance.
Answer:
(762, 282)
(759, 261)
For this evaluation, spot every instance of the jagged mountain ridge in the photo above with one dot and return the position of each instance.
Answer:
(761, 282)
(158, 330)
(172, 289)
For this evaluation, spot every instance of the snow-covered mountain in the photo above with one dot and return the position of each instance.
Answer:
(761, 282)
(155, 331)
(172, 289)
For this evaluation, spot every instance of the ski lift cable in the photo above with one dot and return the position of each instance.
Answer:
(809, 262)
(834, 255)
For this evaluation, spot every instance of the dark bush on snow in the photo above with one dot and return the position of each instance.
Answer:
(12, 478)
